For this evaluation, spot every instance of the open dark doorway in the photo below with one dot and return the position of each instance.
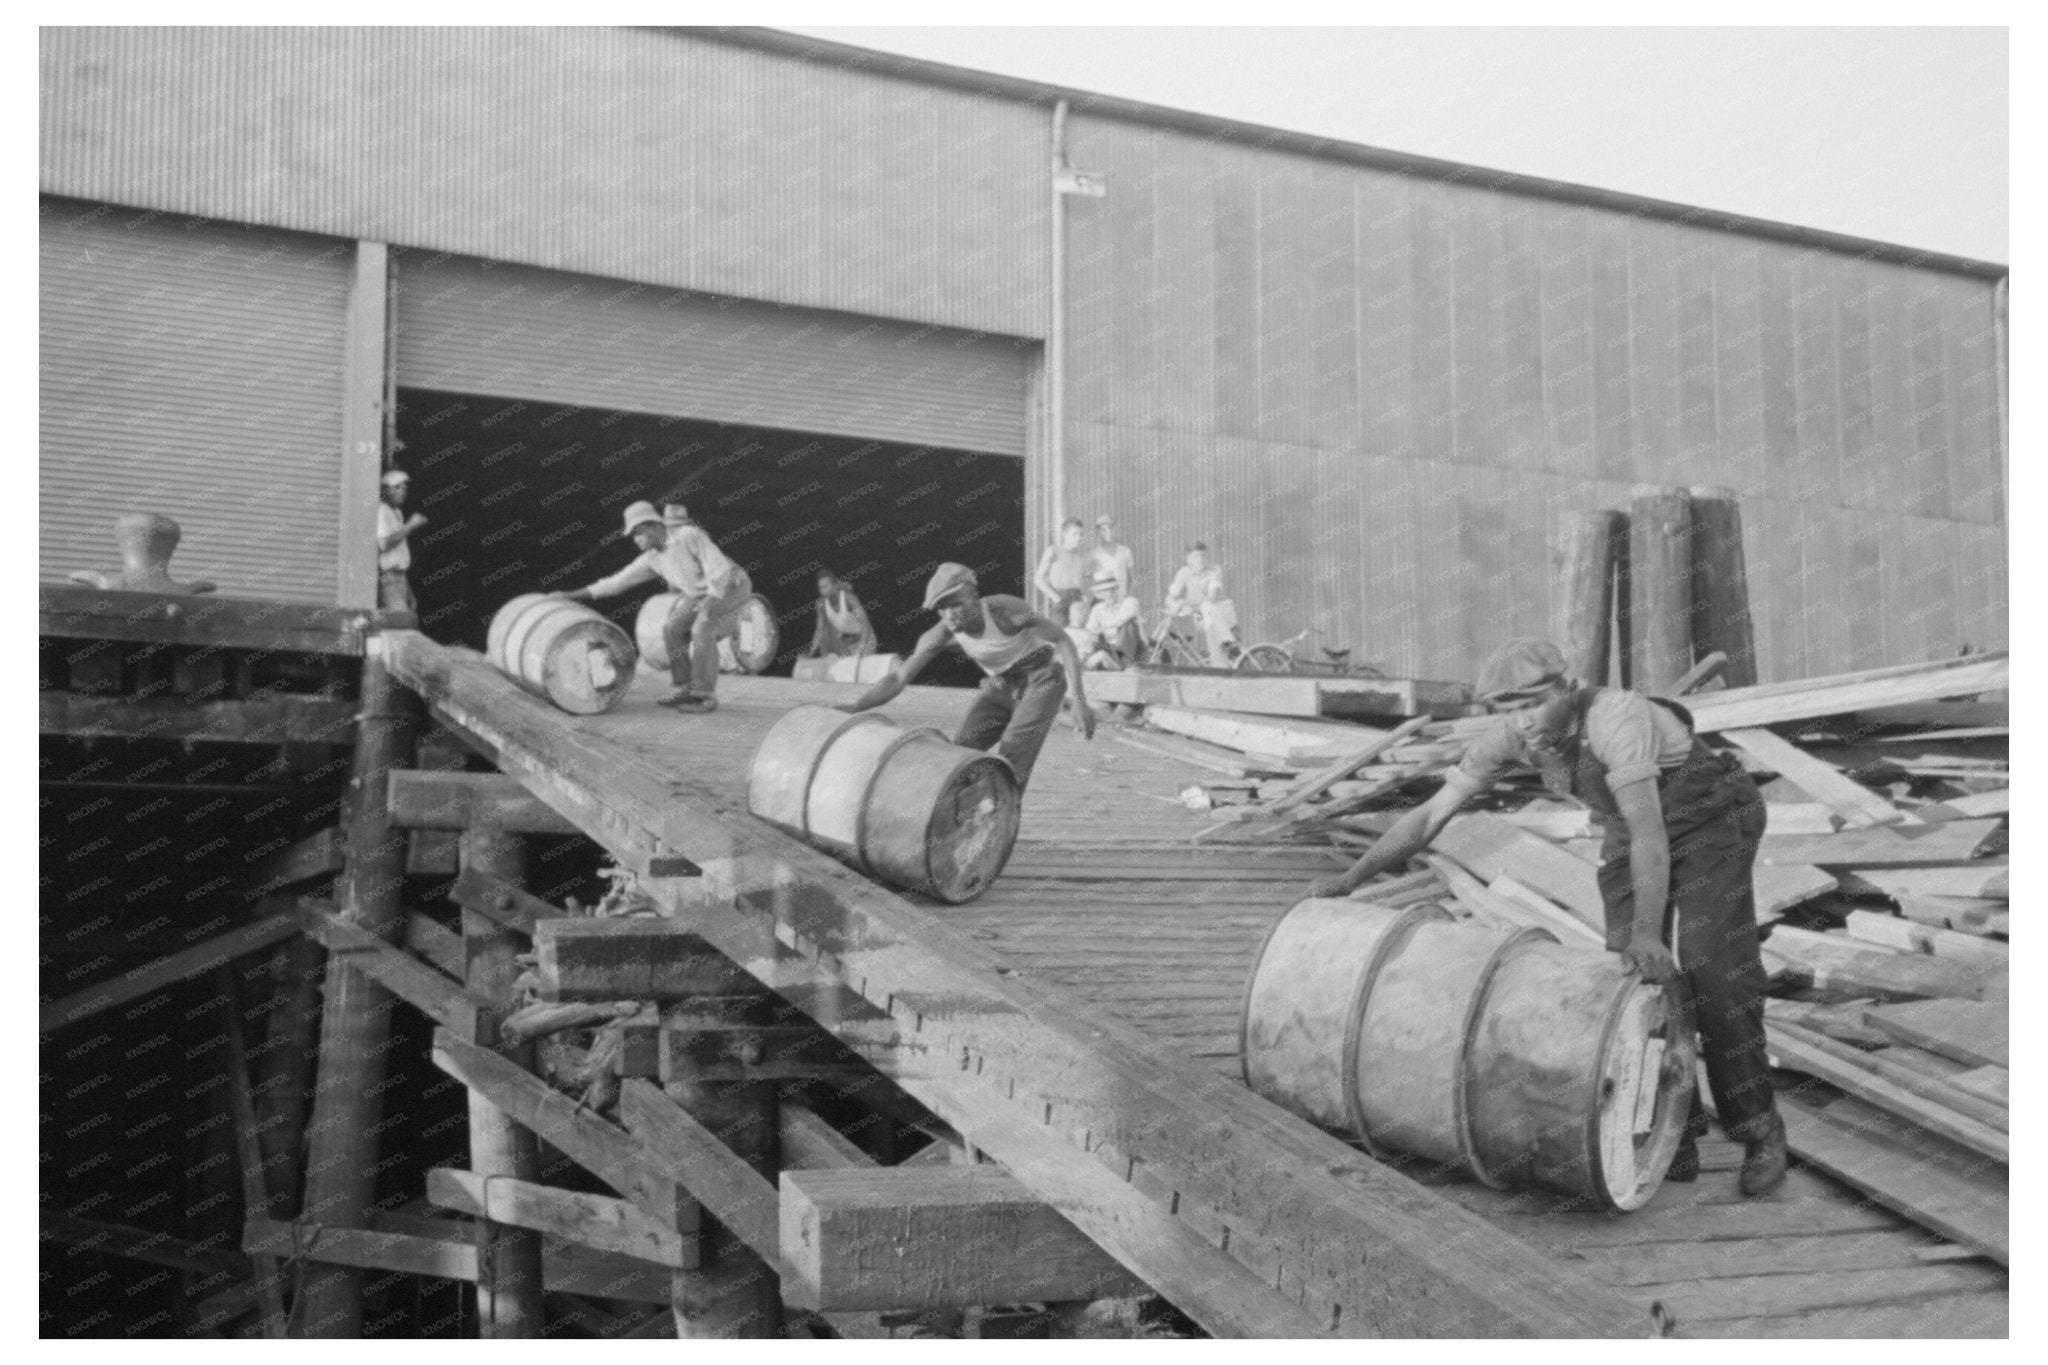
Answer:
(527, 497)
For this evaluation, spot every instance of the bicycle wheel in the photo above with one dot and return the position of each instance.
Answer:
(1265, 659)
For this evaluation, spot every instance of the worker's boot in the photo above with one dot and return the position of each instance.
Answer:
(1685, 1162)
(1764, 1157)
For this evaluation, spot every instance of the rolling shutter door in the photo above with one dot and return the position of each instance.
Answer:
(510, 331)
(193, 368)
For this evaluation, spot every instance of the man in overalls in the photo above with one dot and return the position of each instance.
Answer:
(1030, 663)
(1681, 823)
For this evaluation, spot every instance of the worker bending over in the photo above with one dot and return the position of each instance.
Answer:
(1681, 824)
(1030, 663)
(843, 629)
(709, 588)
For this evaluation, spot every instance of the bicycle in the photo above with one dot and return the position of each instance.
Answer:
(1177, 642)
(1280, 657)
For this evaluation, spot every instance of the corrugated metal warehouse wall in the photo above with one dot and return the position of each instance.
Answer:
(1374, 395)
(193, 369)
(644, 156)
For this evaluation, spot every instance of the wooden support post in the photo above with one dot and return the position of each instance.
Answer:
(1721, 619)
(256, 1200)
(1660, 589)
(286, 1079)
(734, 1292)
(1582, 592)
(508, 1284)
(355, 1023)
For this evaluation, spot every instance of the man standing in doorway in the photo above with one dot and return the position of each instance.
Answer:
(1062, 576)
(1030, 663)
(1113, 558)
(1681, 824)
(394, 554)
(709, 587)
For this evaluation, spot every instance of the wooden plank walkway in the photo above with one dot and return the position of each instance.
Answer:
(1106, 904)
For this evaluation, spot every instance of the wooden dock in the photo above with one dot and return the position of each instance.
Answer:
(1079, 1024)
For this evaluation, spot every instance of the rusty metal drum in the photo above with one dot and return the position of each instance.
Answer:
(1519, 1059)
(562, 651)
(908, 807)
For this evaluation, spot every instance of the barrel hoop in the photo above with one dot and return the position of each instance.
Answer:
(1461, 1102)
(867, 792)
(818, 760)
(984, 756)
(1397, 934)
(1630, 979)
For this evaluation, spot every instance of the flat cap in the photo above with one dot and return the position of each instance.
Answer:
(1520, 668)
(947, 580)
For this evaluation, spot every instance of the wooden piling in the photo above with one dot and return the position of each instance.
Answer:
(733, 1293)
(292, 1033)
(1582, 591)
(508, 1282)
(1721, 619)
(355, 1020)
(1660, 589)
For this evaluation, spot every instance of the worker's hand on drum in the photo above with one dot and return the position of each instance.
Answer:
(1652, 959)
(1330, 888)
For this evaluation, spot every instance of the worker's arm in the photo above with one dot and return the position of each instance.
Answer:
(888, 689)
(1410, 834)
(633, 575)
(397, 535)
(1039, 579)
(1649, 867)
(818, 633)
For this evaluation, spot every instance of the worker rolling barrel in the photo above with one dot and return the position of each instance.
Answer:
(905, 806)
(1506, 1054)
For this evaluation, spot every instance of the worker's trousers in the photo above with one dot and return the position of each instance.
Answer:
(1714, 817)
(691, 634)
(1014, 712)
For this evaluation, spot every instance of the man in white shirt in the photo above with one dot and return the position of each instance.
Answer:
(394, 556)
(1062, 574)
(1114, 558)
(710, 587)
(1114, 636)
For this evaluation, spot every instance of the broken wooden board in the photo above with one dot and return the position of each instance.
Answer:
(1777, 703)
(932, 1237)
(1934, 845)
(1971, 807)
(1856, 803)
(1907, 935)
(1965, 1031)
(1836, 963)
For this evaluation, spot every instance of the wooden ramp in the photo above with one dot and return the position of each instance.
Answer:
(1079, 1024)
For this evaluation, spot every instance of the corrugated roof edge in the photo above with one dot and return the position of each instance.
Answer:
(1209, 125)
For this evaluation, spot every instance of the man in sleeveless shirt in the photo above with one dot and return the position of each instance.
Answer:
(843, 629)
(1063, 571)
(1030, 663)
(1681, 824)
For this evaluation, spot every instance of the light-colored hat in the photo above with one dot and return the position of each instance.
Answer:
(1520, 668)
(947, 580)
(1105, 520)
(393, 477)
(638, 515)
(675, 514)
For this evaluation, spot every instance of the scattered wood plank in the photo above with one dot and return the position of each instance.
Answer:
(1742, 1296)
(1989, 1082)
(1963, 914)
(1893, 931)
(1840, 1020)
(1834, 963)
(1952, 841)
(1857, 804)
(1778, 703)
(1316, 786)
(1981, 880)
(1199, 755)
(599, 1274)
(1967, 1032)
(590, 1220)
(425, 799)
(1256, 734)
(1263, 694)
(154, 976)
(1792, 1047)
(886, 1238)
(1901, 1065)
(1539, 910)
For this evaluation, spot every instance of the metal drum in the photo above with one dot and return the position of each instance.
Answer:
(747, 638)
(905, 806)
(563, 651)
(1508, 1054)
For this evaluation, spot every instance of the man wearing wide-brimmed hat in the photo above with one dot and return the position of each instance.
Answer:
(1030, 663)
(710, 587)
(1682, 825)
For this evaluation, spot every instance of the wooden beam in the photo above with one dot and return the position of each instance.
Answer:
(317, 855)
(883, 1238)
(438, 944)
(1894, 931)
(727, 1187)
(495, 899)
(233, 622)
(366, 376)
(1973, 1034)
(1945, 842)
(1823, 782)
(399, 972)
(80, 1235)
(248, 1150)
(165, 972)
(1337, 772)
(809, 1143)
(422, 799)
(1778, 703)
(590, 1220)
(637, 958)
(1837, 963)
(1980, 880)
(1262, 1199)
(281, 718)
(1888, 1063)
(1790, 1049)
(448, 1258)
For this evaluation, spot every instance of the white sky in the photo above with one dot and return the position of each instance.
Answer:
(1898, 134)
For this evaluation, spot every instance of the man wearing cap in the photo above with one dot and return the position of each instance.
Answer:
(1062, 574)
(394, 555)
(710, 587)
(1114, 636)
(1030, 663)
(1681, 825)
(1110, 557)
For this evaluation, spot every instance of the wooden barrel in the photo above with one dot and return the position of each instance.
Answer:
(563, 651)
(1505, 1053)
(747, 638)
(905, 806)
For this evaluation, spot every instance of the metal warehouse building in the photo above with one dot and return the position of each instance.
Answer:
(834, 298)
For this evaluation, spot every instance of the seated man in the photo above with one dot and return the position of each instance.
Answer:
(843, 629)
(1198, 591)
(1114, 637)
